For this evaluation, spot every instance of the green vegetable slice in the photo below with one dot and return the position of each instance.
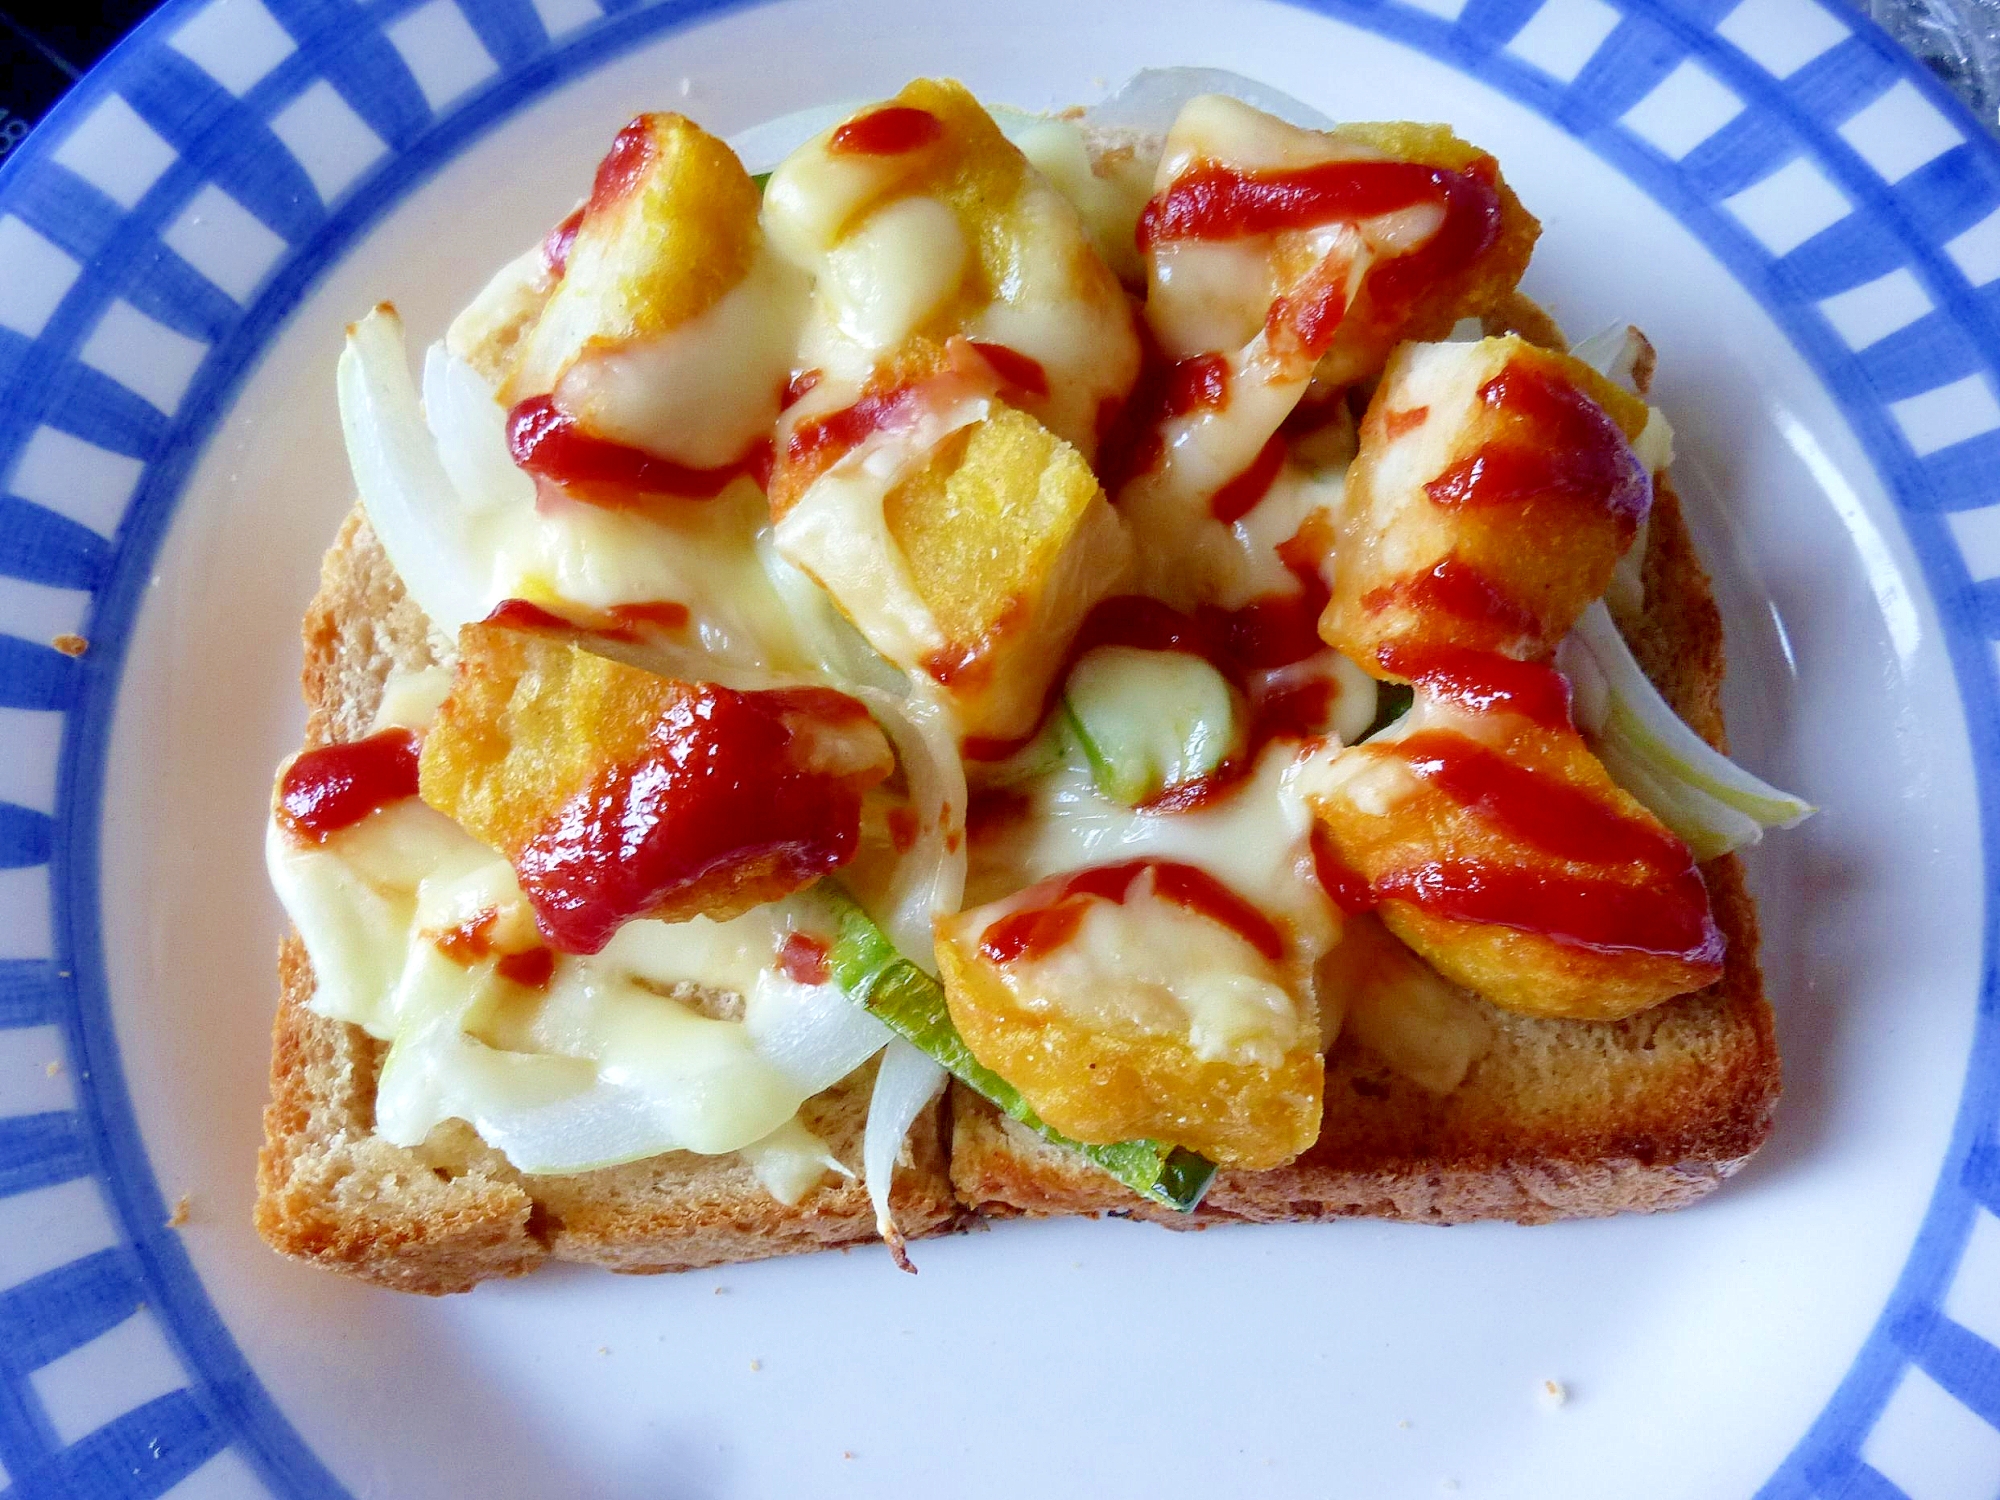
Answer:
(867, 966)
(1149, 721)
(1392, 701)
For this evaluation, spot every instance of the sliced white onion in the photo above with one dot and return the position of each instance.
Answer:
(812, 1033)
(1617, 353)
(470, 426)
(906, 1082)
(790, 1161)
(1152, 98)
(410, 499)
(929, 879)
(1712, 803)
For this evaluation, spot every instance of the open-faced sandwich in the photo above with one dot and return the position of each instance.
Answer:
(1133, 613)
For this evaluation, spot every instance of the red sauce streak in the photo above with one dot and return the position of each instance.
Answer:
(1483, 681)
(1129, 439)
(555, 249)
(903, 829)
(531, 968)
(718, 790)
(523, 615)
(1215, 202)
(803, 959)
(1022, 372)
(1345, 886)
(1239, 496)
(1314, 314)
(1568, 450)
(1052, 920)
(821, 442)
(661, 614)
(1396, 423)
(1601, 915)
(1537, 808)
(1267, 633)
(889, 131)
(470, 941)
(621, 622)
(797, 387)
(1457, 588)
(336, 786)
(992, 807)
(547, 442)
(623, 165)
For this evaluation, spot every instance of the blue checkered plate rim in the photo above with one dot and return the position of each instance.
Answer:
(114, 217)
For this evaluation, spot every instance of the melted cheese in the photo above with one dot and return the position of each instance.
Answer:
(889, 277)
(599, 1067)
(891, 262)
(838, 532)
(1255, 839)
(1149, 964)
(702, 392)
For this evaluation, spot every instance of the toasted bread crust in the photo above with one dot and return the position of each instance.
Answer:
(452, 1213)
(1561, 1119)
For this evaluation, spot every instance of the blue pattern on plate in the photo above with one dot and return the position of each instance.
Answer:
(1921, 396)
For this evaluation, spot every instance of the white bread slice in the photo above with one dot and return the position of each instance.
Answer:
(454, 1212)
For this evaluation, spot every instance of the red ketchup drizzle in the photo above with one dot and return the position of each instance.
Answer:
(1313, 314)
(336, 786)
(1460, 589)
(718, 790)
(623, 165)
(555, 249)
(803, 959)
(1345, 886)
(903, 829)
(1536, 808)
(1482, 680)
(522, 614)
(665, 614)
(622, 622)
(471, 940)
(1674, 922)
(1239, 496)
(821, 442)
(1667, 914)
(1023, 372)
(547, 442)
(1129, 439)
(1397, 423)
(888, 131)
(797, 386)
(531, 968)
(1053, 917)
(1571, 452)
(1215, 202)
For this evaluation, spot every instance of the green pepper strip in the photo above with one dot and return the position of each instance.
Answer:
(868, 967)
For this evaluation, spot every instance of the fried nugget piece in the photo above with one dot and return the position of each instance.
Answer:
(994, 544)
(1496, 486)
(922, 221)
(1493, 842)
(1136, 1002)
(616, 793)
(669, 227)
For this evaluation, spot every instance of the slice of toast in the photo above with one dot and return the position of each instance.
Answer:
(444, 1216)
(1560, 1119)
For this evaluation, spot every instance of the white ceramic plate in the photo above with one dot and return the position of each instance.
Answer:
(1803, 223)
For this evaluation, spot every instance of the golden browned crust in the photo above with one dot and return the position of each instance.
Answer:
(452, 1213)
(1560, 1119)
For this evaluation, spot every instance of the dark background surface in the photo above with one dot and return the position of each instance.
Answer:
(45, 45)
